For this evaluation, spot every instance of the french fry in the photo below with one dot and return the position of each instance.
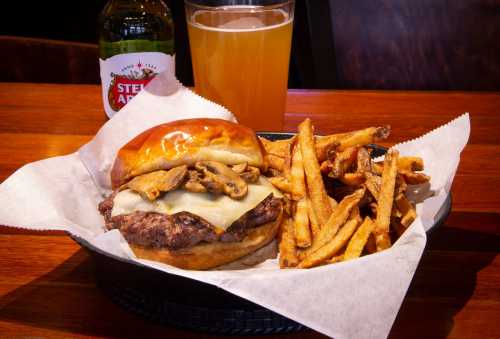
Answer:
(371, 246)
(364, 137)
(326, 166)
(315, 185)
(287, 167)
(301, 217)
(275, 162)
(353, 179)
(413, 178)
(326, 144)
(333, 247)
(267, 144)
(355, 214)
(337, 219)
(343, 161)
(278, 147)
(410, 164)
(401, 185)
(397, 227)
(287, 246)
(377, 168)
(301, 224)
(344, 140)
(333, 203)
(297, 175)
(281, 183)
(335, 259)
(408, 218)
(301, 254)
(287, 205)
(339, 192)
(359, 239)
(323, 145)
(396, 213)
(363, 161)
(373, 183)
(385, 200)
(363, 164)
(407, 210)
(318, 230)
(313, 221)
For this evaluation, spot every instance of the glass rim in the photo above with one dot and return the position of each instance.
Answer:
(211, 4)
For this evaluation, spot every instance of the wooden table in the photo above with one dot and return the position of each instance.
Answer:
(47, 287)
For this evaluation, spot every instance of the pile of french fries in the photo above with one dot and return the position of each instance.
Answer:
(340, 203)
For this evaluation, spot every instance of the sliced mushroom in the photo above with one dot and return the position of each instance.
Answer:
(240, 168)
(271, 172)
(199, 183)
(195, 187)
(216, 172)
(150, 185)
(251, 175)
(212, 185)
(193, 184)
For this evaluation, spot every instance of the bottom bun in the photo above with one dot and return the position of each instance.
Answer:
(209, 255)
(269, 251)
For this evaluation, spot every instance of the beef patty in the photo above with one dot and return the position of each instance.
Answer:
(184, 229)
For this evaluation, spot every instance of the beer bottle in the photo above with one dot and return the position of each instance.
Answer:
(136, 42)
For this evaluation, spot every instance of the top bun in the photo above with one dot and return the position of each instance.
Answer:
(184, 142)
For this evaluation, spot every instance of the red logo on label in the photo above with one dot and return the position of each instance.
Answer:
(124, 87)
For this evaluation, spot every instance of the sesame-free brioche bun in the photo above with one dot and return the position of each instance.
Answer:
(184, 142)
(210, 255)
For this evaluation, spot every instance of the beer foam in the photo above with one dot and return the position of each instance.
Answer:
(245, 24)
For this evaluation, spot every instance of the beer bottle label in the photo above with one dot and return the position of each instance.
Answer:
(125, 75)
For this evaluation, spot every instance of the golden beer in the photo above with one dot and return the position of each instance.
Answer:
(240, 60)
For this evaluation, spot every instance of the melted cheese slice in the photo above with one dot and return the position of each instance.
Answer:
(220, 211)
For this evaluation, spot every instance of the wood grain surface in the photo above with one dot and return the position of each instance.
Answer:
(44, 60)
(425, 44)
(47, 286)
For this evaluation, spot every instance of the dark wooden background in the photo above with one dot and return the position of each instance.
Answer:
(362, 44)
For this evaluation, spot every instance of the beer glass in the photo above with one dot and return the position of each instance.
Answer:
(240, 51)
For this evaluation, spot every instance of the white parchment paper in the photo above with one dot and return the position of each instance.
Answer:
(355, 299)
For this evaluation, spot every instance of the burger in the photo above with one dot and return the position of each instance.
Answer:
(192, 194)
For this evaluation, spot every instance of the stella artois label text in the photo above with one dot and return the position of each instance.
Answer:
(125, 75)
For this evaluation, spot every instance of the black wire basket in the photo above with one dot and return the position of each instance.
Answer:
(186, 303)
